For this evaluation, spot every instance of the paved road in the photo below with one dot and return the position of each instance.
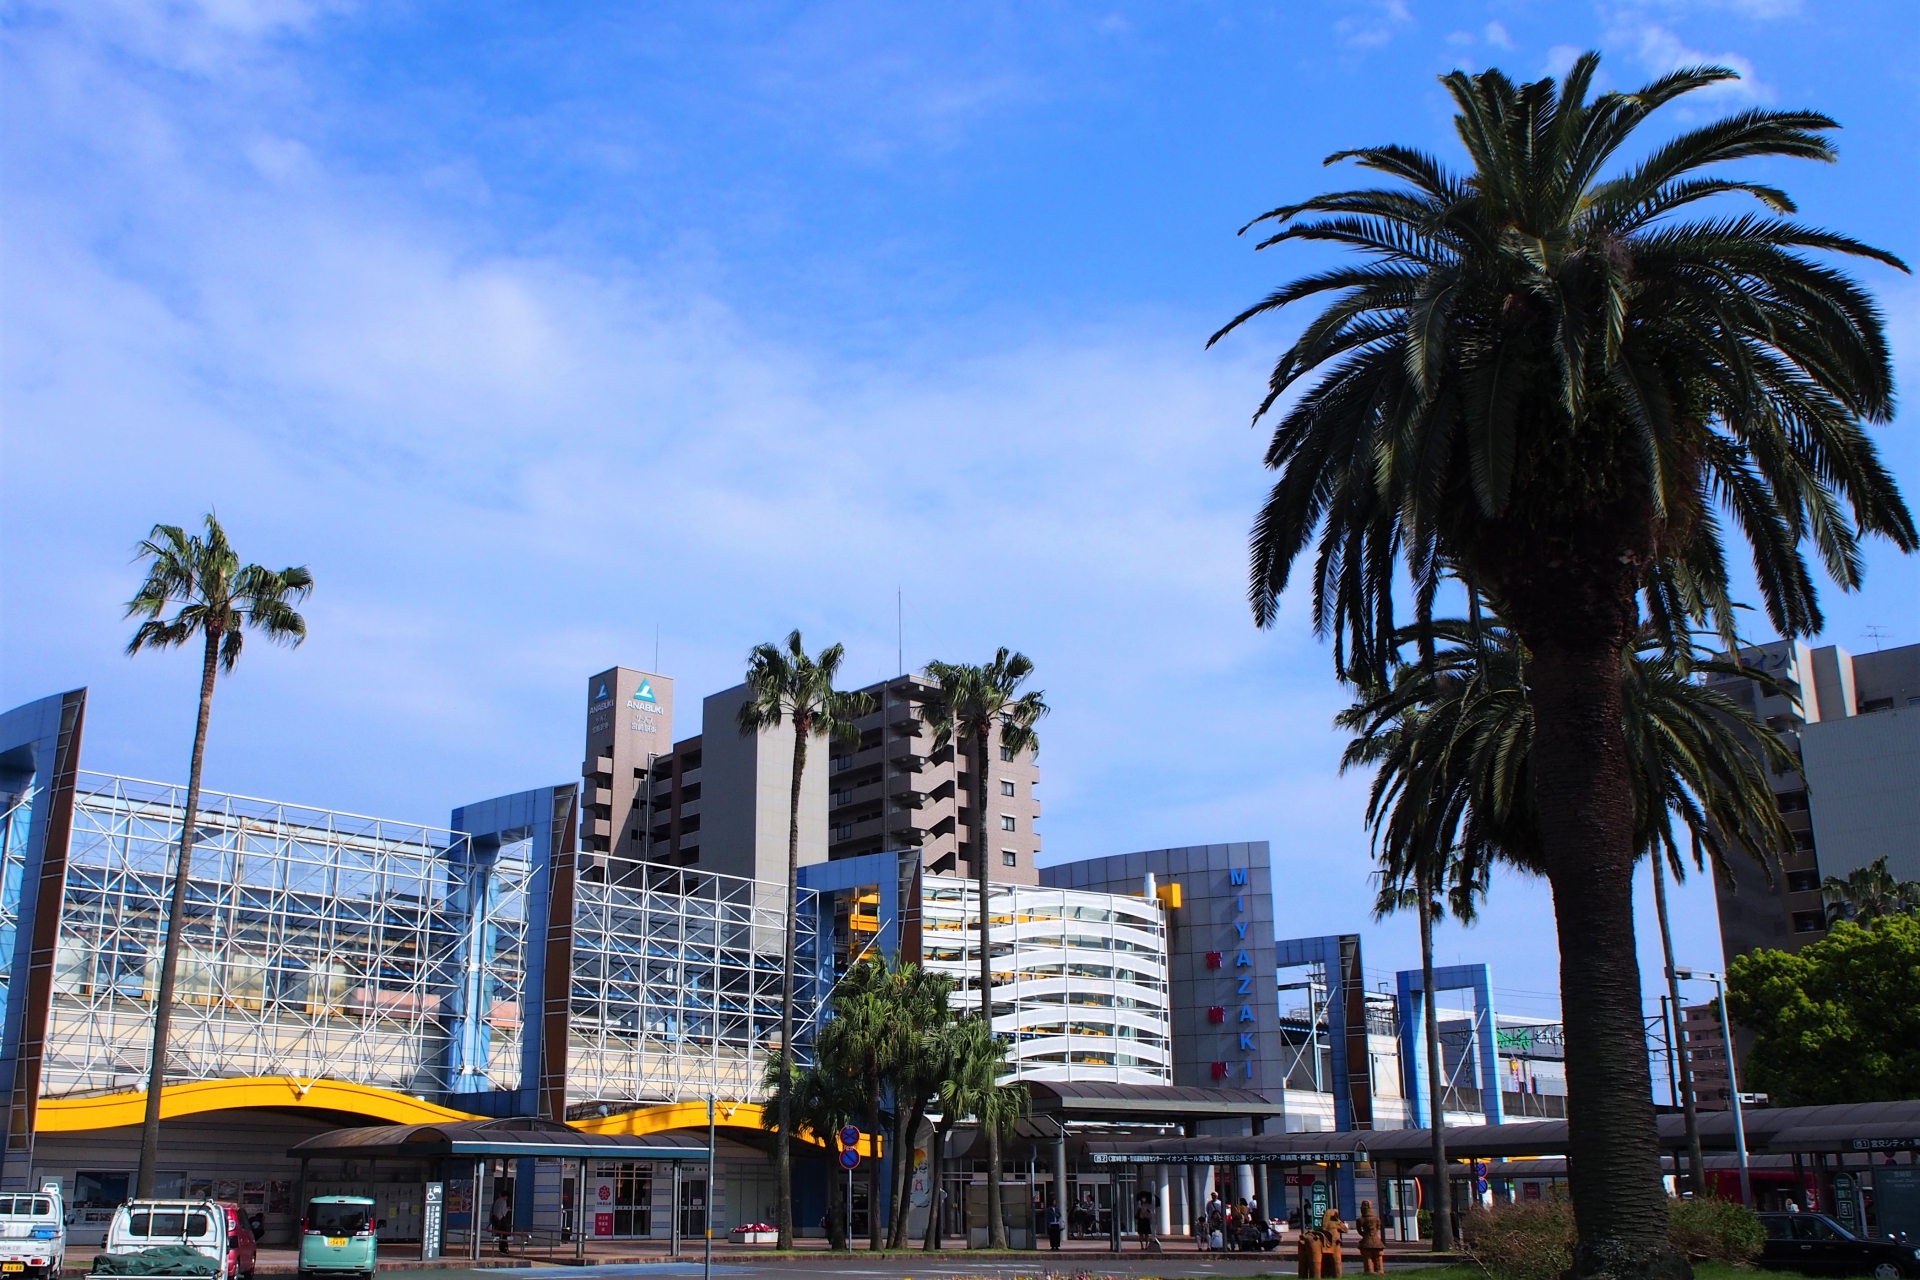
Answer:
(1184, 1265)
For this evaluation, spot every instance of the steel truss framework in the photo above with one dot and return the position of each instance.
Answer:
(1080, 978)
(316, 944)
(676, 986)
(15, 822)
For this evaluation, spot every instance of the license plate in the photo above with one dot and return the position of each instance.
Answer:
(13, 1266)
(338, 1242)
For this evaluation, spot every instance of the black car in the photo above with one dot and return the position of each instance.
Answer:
(1815, 1245)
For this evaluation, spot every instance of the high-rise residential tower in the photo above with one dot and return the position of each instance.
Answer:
(629, 726)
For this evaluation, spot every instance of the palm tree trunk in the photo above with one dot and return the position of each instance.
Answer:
(983, 875)
(839, 1216)
(903, 1134)
(1584, 798)
(783, 1137)
(876, 1231)
(176, 924)
(1683, 1061)
(936, 1173)
(1436, 1093)
(983, 867)
(996, 1214)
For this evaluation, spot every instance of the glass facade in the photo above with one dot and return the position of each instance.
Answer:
(1079, 978)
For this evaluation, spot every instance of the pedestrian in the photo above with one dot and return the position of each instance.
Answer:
(1143, 1206)
(1373, 1241)
(1055, 1226)
(502, 1217)
(1331, 1229)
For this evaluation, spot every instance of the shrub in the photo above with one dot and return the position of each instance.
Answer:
(1528, 1241)
(1534, 1241)
(1717, 1230)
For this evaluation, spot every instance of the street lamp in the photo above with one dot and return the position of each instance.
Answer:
(1733, 1075)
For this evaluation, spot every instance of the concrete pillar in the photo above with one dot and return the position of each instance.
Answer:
(1163, 1209)
(1059, 1178)
(1243, 1182)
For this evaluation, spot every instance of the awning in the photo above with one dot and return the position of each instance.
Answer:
(1167, 1104)
(515, 1137)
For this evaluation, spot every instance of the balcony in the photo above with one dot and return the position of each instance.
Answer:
(597, 765)
(602, 827)
(598, 795)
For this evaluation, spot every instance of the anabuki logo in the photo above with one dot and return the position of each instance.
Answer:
(643, 695)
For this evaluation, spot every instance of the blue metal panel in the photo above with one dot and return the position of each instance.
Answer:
(1413, 1036)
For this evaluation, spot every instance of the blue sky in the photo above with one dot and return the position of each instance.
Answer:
(532, 330)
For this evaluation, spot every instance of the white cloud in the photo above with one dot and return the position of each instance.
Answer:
(1496, 35)
(1373, 23)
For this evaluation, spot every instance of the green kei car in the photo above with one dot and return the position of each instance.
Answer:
(337, 1238)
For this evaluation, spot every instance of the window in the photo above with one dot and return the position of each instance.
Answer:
(1809, 921)
(1803, 842)
(1792, 801)
(1009, 857)
(1006, 786)
(1871, 705)
(1006, 753)
(1007, 822)
(1803, 881)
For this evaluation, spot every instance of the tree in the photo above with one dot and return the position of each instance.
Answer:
(1868, 893)
(818, 1102)
(1545, 380)
(1451, 740)
(865, 1038)
(1836, 1021)
(975, 1061)
(970, 704)
(218, 599)
(919, 1063)
(786, 686)
(1415, 793)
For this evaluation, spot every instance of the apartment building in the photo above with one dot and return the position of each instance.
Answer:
(892, 790)
(719, 802)
(1854, 722)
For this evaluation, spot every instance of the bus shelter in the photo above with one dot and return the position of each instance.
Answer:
(453, 1165)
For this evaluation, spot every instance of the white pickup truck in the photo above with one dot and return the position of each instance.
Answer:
(33, 1233)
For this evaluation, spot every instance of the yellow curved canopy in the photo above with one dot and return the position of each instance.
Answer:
(114, 1110)
(693, 1116)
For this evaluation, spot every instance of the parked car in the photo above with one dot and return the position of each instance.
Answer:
(1814, 1244)
(213, 1228)
(33, 1233)
(337, 1238)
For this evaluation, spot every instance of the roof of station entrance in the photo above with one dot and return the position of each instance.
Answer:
(522, 1136)
(1865, 1126)
(1093, 1100)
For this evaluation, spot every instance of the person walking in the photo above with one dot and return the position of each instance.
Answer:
(501, 1218)
(1373, 1241)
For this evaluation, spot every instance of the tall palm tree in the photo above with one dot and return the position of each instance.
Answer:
(787, 686)
(1544, 377)
(1867, 893)
(923, 1012)
(1414, 795)
(218, 599)
(970, 1086)
(1452, 741)
(972, 703)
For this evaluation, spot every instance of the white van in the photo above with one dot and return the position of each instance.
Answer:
(212, 1228)
(33, 1233)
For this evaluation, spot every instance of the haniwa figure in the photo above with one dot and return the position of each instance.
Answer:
(1373, 1241)
(1331, 1229)
(1309, 1251)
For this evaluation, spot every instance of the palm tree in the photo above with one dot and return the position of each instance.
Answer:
(1869, 893)
(864, 1037)
(219, 599)
(1415, 792)
(1546, 380)
(971, 703)
(923, 1012)
(787, 686)
(819, 1101)
(970, 1086)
